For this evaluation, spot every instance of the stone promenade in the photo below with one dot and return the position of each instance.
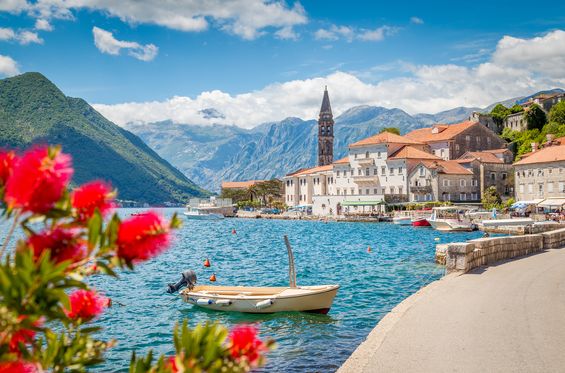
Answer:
(508, 317)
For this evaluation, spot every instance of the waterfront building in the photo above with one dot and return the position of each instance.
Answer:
(541, 174)
(452, 141)
(491, 168)
(325, 132)
(240, 185)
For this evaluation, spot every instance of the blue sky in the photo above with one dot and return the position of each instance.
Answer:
(218, 53)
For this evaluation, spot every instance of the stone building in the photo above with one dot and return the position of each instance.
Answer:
(516, 122)
(545, 100)
(491, 168)
(452, 141)
(486, 120)
(325, 132)
(541, 174)
(440, 180)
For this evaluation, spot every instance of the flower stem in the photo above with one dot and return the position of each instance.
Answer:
(10, 233)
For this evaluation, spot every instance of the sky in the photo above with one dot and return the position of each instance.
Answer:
(255, 61)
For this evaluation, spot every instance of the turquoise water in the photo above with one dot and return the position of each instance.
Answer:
(401, 262)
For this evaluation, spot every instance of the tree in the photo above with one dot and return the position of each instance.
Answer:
(516, 109)
(268, 190)
(394, 130)
(535, 117)
(499, 113)
(557, 113)
(491, 198)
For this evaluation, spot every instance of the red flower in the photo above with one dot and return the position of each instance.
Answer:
(245, 344)
(172, 364)
(23, 335)
(91, 196)
(142, 237)
(86, 304)
(18, 367)
(63, 243)
(7, 160)
(38, 180)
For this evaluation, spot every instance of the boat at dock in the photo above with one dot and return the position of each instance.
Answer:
(209, 209)
(252, 299)
(420, 222)
(451, 219)
(201, 214)
(402, 218)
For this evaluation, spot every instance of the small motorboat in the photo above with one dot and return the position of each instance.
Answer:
(451, 219)
(420, 222)
(402, 218)
(251, 299)
(202, 214)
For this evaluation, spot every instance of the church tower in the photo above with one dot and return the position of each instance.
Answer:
(325, 132)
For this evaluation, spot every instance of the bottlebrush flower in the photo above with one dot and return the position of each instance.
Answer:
(18, 367)
(23, 335)
(142, 237)
(244, 343)
(38, 180)
(63, 243)
(172, 364)
(91, 196)
(86, 304)
(7, 160)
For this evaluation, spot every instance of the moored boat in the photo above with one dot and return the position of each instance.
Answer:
(402, 218)
(420, 222)
(201, 214)
(451, 219)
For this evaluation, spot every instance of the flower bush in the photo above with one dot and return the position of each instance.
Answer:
(46, 304)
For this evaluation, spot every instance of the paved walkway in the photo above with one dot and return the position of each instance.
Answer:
(505, 318)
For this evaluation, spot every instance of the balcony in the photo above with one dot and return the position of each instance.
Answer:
(421, 189)
(365, 161)
(364, 179)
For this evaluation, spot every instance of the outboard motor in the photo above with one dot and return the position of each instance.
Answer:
(188, 279)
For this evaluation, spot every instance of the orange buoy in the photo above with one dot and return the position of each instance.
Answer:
(369, 249)
(233, 231)
(207, 263)
(213, 278)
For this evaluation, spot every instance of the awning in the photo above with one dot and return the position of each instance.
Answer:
(552, 202)
(362, 203)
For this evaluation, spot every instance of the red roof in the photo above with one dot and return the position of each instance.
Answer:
(409, 152)
(385, 138)
(484, 157)
(443, 132)
(344, 160)
(240, 184)
(447, 167)
(554, 153)
(308, 171)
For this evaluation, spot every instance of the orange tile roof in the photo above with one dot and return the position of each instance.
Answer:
(409, 152)
(383, 138)
(554, 153)
(484, 157)
(240, 184)
(448, 167)
(448, 132)
(312, 170)
(344, 160)
(496, 151)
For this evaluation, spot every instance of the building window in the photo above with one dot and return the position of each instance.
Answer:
(492, 176)
(391, 171)
(375, 191)
(400, 190)
(462, 196)
(442, 152)
(422, 172)
(367, 171)
(337, 173)
(549, 187)
(467, 138)
(367, 191)
(521, 188)
(445, 183)
(474, 196)
(355, 155)
(359, 173)
(540, 190)
(379, 155)
(383, 170)
(457, 148)
(504, 176)
(366, 154)
(478, 139)
(530, 188)
(375, 171)
(462, 182)
(400, 170)
(561, 187)
(352, 191)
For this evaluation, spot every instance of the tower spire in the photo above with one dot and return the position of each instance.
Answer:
(325, 131)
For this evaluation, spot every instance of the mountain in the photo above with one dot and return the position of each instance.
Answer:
(211, 154)
(33, 110)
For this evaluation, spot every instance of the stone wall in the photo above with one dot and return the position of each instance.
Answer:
(464, 256)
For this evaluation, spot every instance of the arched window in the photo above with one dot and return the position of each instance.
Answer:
(366, 154)
(323, 130)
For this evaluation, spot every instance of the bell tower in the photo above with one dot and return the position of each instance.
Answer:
(325, 132)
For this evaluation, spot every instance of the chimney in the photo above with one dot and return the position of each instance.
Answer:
(535, 147)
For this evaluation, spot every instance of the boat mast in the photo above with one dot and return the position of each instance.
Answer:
(291, 270)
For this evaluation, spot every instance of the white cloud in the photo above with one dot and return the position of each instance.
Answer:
(23, 37)
(416, 20)
(511, 71)
(106, 43)
(8, 67)
(43, 25)
(287, 33)
(246, 18)
(349, 33)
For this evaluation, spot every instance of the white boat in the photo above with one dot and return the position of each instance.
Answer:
(201, 214)
(451, 219)
(402, 218)
(251, 299)
(316, 299)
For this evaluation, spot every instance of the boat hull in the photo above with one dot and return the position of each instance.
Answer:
(451, 226)
(421, 223)
(212, 216)
(402, 221)
(314, 299)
